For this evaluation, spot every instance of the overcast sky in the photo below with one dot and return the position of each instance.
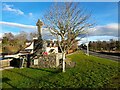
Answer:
(22, 16)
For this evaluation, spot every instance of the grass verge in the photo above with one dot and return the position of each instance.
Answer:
(89, 72)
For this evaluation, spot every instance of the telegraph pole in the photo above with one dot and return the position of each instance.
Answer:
(87, 45)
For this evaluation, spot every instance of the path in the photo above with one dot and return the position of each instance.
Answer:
(112, 57)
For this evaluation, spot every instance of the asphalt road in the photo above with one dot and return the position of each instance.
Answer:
(112, 57)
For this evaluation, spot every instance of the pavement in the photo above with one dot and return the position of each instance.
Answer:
(6, 68)
(111, 57)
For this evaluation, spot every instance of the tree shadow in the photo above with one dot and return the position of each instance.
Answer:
(21, 74)
(38, 80)
(54, 71)
(6, 80)
(46, 78)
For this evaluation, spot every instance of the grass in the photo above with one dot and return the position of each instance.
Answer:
(90, 72)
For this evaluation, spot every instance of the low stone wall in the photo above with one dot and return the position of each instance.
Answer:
(52, 61)
(5, 63)
(48, 61)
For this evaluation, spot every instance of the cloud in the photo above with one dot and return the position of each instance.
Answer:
(18, 25)
(27, 28)
(96, 38)
(105, 30)
(1, 35)
(10, 8)
(102, 32)
(30, 14)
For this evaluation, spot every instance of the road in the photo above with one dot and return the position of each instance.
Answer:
(112, 57)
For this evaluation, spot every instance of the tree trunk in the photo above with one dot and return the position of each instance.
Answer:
(63, 57)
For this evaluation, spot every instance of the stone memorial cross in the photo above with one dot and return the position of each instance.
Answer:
(39, 25)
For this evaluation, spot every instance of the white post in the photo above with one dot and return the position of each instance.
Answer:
(87, 45)
(88, 49)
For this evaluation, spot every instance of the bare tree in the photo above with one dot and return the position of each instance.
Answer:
(33, 35)
(21, 39)
(66, 21)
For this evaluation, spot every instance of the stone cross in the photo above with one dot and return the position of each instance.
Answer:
(39, 42)
(39, 25)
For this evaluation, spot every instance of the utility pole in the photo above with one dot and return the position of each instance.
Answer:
(88, 41)
(87, 45)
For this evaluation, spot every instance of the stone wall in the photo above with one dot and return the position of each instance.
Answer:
(51, 61)
(5, 63)
(46, 61)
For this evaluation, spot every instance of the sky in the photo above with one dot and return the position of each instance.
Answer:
(22, 16)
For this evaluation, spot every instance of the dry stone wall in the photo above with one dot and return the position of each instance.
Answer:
(47, 61)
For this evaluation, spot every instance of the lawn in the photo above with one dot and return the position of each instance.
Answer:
(89, 72)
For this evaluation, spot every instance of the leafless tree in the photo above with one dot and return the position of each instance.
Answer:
(67, 21)
(33, 35)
